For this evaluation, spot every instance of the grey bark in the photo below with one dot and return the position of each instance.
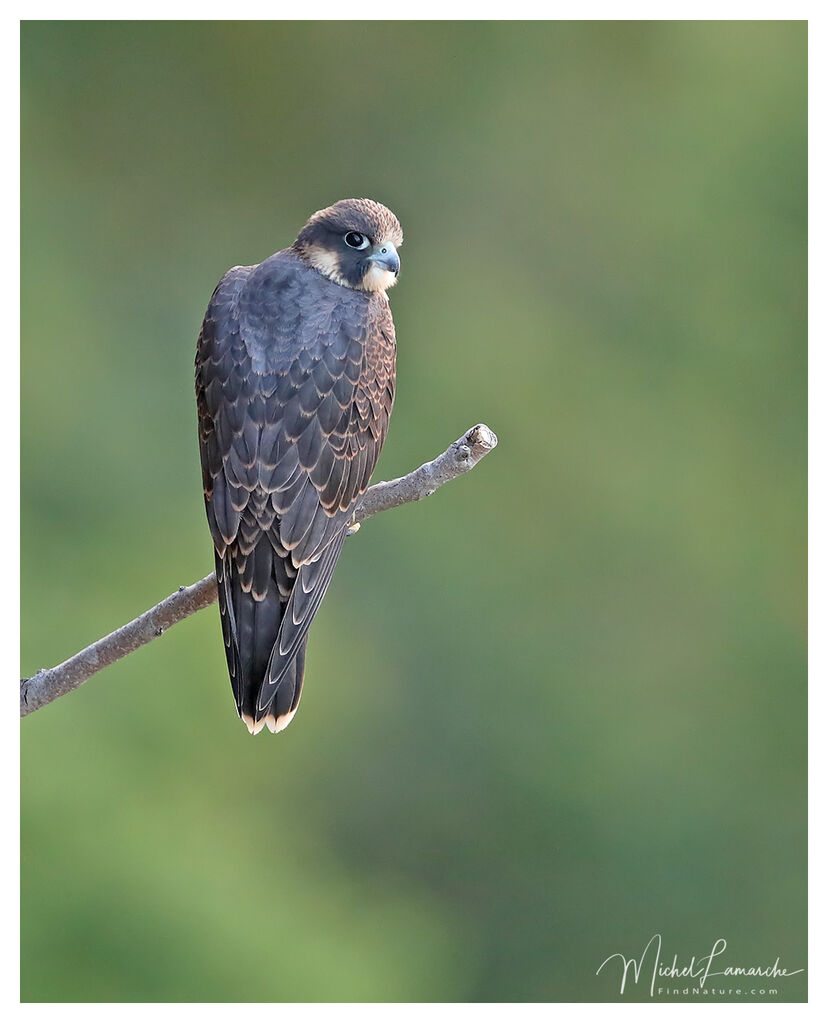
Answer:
(50, 683)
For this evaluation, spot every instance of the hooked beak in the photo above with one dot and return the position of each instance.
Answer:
(385, 255)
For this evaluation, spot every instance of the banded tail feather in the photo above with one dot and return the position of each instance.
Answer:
(265, 629)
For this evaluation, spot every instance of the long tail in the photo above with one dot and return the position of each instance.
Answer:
(252, 609)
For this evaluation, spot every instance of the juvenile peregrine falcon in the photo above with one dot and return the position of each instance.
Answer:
(295, 371)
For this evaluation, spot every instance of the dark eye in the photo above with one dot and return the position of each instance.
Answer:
(356, 240)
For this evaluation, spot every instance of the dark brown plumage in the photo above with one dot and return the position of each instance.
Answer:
(295, 374)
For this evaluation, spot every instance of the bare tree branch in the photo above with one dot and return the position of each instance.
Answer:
(50, 683)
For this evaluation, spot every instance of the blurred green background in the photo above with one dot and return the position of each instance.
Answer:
(551, 711)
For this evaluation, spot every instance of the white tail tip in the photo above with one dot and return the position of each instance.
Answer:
(280, 724)
(274, 724)
(254, 727)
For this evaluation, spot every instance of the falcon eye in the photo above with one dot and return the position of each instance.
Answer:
(356, 240)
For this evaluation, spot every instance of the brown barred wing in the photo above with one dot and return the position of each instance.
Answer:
(325, 448)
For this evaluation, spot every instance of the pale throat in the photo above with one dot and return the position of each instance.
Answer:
(376, 279)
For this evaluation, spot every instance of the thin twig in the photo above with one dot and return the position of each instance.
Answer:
(50, 683)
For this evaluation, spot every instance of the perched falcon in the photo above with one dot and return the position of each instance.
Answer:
(295, 371)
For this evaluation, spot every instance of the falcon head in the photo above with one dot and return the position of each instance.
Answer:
(354, 243)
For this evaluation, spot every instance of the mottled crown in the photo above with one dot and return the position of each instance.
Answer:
(362, 215)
